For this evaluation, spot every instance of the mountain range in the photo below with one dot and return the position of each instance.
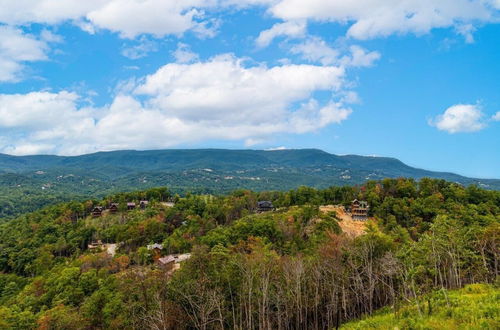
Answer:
(198, 170)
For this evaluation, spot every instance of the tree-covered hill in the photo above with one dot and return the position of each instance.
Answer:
(28, 182)
(291, 268)
(118, 164)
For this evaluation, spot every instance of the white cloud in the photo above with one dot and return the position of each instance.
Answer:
(293, 29)
(17, 48)
(221, 99)
(460, 118)
(367, 18)
(496, 117)
(380, 18)
(129, 18)
(49, 36)
(38, 110)
(466, 30)
(359, 57)
(183, 54)
(315, 49)
(142, 49)
(21, 12)
(212, 90)
(277, 148)
(132, 17)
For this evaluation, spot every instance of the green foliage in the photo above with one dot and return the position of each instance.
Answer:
(473, 307)
(290, 268)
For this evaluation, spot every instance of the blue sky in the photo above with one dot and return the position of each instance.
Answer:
(414, 79)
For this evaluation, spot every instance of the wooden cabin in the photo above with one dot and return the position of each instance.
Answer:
(173, 261)
(264, 206)
(156, 248)
(97, 211)
(113, 208)
(95, 245)
(130, 206)
(143, 204)
(359, 210)
(167, 262)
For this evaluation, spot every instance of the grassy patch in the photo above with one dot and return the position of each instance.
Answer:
(477, 306)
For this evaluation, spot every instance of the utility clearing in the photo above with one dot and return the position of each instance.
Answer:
(349, 226)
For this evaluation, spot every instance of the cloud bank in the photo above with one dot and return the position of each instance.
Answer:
(366, 18)
(220, 99)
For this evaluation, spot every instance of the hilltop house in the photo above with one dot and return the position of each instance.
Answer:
(113, 208)
(264, 206)
(359, 210)
(130, 206)
(172, 262)
(156, 248)
(95, 245)
(97, 211)
(166, 262)
(143, 204)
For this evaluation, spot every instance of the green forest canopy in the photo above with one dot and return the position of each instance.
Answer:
(291, 268)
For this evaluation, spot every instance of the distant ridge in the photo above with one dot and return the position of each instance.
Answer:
(30, 182)
(314, 167)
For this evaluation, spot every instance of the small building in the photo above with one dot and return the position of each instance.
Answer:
(359, 210)
(173, 261)
(155, 246)
(95, 245)
(143, 204)
(130, 206)
(264, 206)
(97, 211)
(113, 208)
(166, 262)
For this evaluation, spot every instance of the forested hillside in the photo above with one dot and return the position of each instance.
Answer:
(291, 268)
(30, 182)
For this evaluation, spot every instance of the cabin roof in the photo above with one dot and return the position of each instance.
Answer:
(166, 260)
(155, 246)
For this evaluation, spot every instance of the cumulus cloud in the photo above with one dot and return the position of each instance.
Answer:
(379, 18)
(37, 109)
(496, 117)
(367, 18)
(17, 48)
(460, 118)
(220, 99)
(21, 12)
(290, 29)
(129, 18)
